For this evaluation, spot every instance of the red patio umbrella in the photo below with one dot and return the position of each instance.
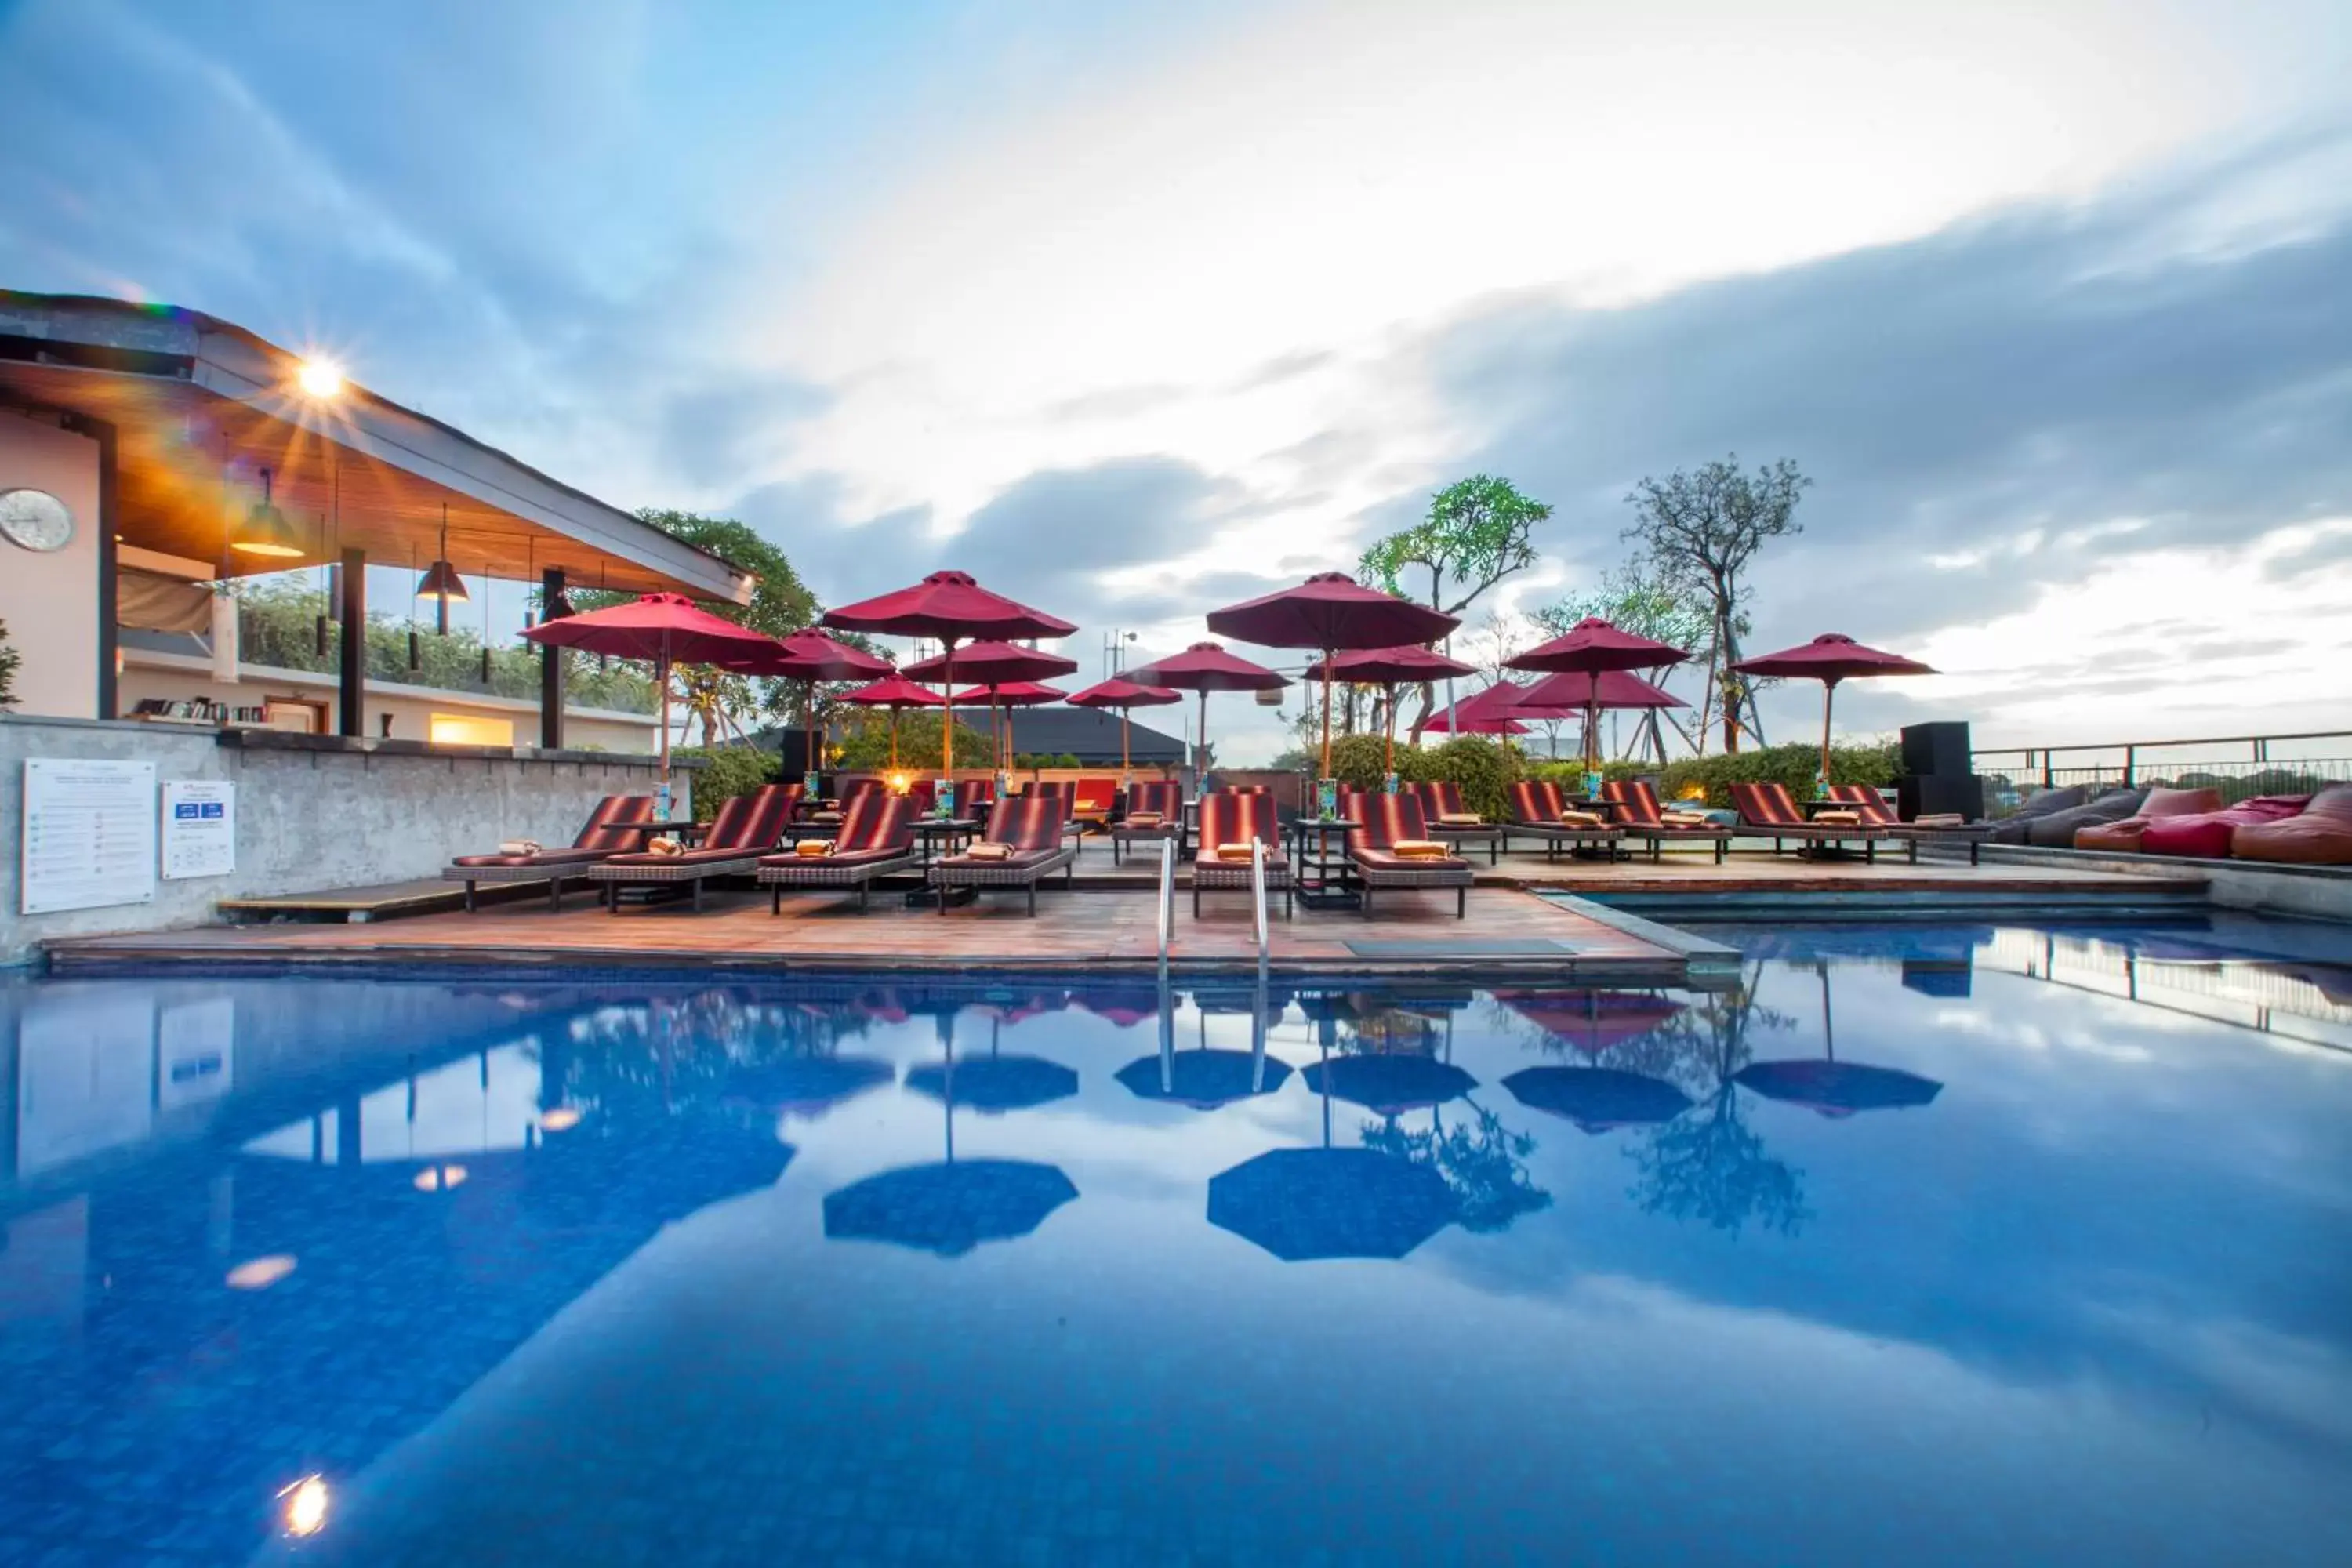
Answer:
(1560, 695)
(951, 606)
(1123, 694)
(1591, 1021)
(1494, 711)
(666, 629)
(808, 657)
(1206, 666)
(1011, 695)
(896, 692)
(994, 664)
(1592, 648)
(1387, 668)
(1829, 658)
(1331, 612)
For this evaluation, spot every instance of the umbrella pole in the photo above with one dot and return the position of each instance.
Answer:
(1327, 683)
(1000, 729)
(661, 673)
(1829, 1026)
(894, 739)
(947, 718)
(1388, 726)
(1124, 765)
(1828, 695)
(1200, 744)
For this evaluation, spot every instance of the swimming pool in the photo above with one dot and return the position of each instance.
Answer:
(1966, 1244)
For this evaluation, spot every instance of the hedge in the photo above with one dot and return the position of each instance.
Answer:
(1483, 768)
(727, 771)
(1792, 765)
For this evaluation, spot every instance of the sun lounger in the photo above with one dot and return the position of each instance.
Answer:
(1161, 797)
(1638, 812)
(1872, 806)
(1239, 819)
(971, 800)
(1441, 799)
(1766, 811)
(1031, 828)
(604, 836)
(876, 838)
(1538, 811)
(746, 828)
(1093, 800)
(1388, 821)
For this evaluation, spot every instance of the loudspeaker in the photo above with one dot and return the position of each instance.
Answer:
(1941, 748)
(1917, 795)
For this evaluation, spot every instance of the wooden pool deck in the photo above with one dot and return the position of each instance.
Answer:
(1106, 921)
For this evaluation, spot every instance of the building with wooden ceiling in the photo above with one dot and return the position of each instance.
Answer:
(175, 445)
(150, 454)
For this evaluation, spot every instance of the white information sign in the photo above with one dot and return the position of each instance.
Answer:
(199, 829)
(90, 834)
(194, 1047)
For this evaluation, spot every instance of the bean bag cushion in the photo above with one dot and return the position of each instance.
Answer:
(2203, 837)
(2179, 803)
(2319, 835)
(2011, 829)
(2057, 830)
(2127, 835)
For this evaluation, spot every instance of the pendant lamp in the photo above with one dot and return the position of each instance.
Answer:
(268, 531)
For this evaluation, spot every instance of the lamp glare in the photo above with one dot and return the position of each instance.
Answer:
(319, 378)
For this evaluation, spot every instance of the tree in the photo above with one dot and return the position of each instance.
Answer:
(9, 661)
(1700, 531)
(1638, 598)
(1707, 1164)
(1478, 530)
(1482, 1161)
(278, 627)
(780, 604)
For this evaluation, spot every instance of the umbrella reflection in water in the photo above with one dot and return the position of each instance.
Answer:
(1327, 1203)
(1595, 1099)
(1832, 1088)
(952, 1206)
(1204, 1078)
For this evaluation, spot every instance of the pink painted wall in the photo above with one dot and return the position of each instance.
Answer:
(50, 599)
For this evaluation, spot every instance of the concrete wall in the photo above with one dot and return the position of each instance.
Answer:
(146, 673)
(49, 599)
(317, 816)
(2304, 892)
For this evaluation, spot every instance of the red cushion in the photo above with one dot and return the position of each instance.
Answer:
(2204, 837)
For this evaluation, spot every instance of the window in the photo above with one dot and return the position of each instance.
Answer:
(464, 729)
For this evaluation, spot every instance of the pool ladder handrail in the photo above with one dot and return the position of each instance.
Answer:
(1167, 899)
(1258, 900)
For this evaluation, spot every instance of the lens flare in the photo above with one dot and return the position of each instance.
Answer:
(261, 1273)
(559, 1119)
(439, 1178)
(319, 378)
(304, 1506)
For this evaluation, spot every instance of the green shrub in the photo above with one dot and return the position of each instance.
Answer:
(1485, 770)
(9, 660)
(866, 744)
(1482, 767)
(1792, 765)
(727, 771)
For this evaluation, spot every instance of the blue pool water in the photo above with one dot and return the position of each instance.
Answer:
(1941, 1245)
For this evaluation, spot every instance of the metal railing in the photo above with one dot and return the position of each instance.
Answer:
(2238, 765)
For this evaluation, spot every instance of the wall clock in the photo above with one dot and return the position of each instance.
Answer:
(35, 520)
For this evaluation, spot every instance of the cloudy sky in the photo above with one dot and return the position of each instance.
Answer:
(1133, 311)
